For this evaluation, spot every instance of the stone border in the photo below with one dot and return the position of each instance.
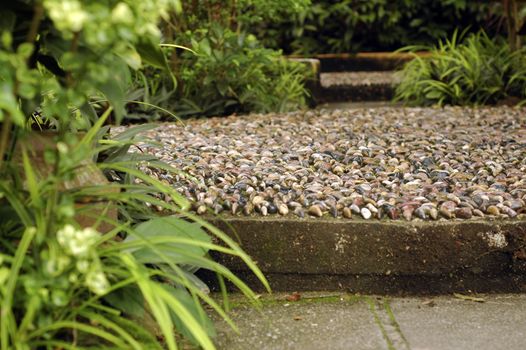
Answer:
(365, 61)
(314, 254)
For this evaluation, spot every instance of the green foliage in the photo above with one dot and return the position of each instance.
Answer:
(56, 55)
(58, 279)
(330, 26)
(221, 69)
(232, 73)
(475, 71)
(64, 284)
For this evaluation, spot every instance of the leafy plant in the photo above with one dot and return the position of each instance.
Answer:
(73, 274)
(59, 279)
(230, 72)
(474, 71)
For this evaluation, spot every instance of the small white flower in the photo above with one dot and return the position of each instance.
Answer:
(62, 147)
(122, 13)
(73, 278)
(65, 234)
(82, 266)
(97, 282)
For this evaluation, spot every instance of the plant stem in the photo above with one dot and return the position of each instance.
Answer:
(35, 22)
(4, 139)
(510, 10)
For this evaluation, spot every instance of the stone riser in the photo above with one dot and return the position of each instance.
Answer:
(383, 256)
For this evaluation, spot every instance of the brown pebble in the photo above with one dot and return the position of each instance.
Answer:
(407, 212)
(478, 212)
(493, 210)
(446, 213)
(347, 213)
(315, 210)
(463, 213)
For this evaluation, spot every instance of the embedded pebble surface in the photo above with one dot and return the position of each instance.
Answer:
(383, 163)
(359, 78)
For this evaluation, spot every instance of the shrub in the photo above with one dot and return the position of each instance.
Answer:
(330, 26)
(475, 71)
(224, 69)
(232, 73)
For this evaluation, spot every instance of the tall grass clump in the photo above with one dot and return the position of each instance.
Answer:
(476, 70)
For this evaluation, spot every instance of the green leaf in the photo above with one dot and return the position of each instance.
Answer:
(114, 89)
(169, 226)
(194, 308)
(152, 54)
(132, 58)
(9, 104)
(127, 299)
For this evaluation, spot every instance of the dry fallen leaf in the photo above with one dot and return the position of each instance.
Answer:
(468, 297)
(293, 297)
(429, 303)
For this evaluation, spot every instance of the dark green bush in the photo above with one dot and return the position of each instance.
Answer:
(331, 26)
(478, 70)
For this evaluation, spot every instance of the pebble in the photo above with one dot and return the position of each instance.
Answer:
(283, 209)
(401, 163)
(420, 212)
(463, 213)
(433, 213)
(407, 212)
(201, 209)
(493, 210)
(315, 211)
(366, 213)
(347, 213)
(299, 212)
(355, 209)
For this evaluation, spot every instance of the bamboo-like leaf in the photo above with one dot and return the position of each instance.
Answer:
(103, 321)
(97, 332)
(157, 305)
(31, 178)
(7, 324)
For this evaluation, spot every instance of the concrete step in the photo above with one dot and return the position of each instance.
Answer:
(357, 86)
(382, 257)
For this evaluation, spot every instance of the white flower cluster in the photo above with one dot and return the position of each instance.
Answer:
(67, 15)
(80, 244)
(77, 242)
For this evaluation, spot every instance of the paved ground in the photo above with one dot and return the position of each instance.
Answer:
(358, 78)
(339, 321)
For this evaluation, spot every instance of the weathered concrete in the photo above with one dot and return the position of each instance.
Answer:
(452, 323)
(362, 322)
(345, 324)
(363, 61)
(347, 250)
